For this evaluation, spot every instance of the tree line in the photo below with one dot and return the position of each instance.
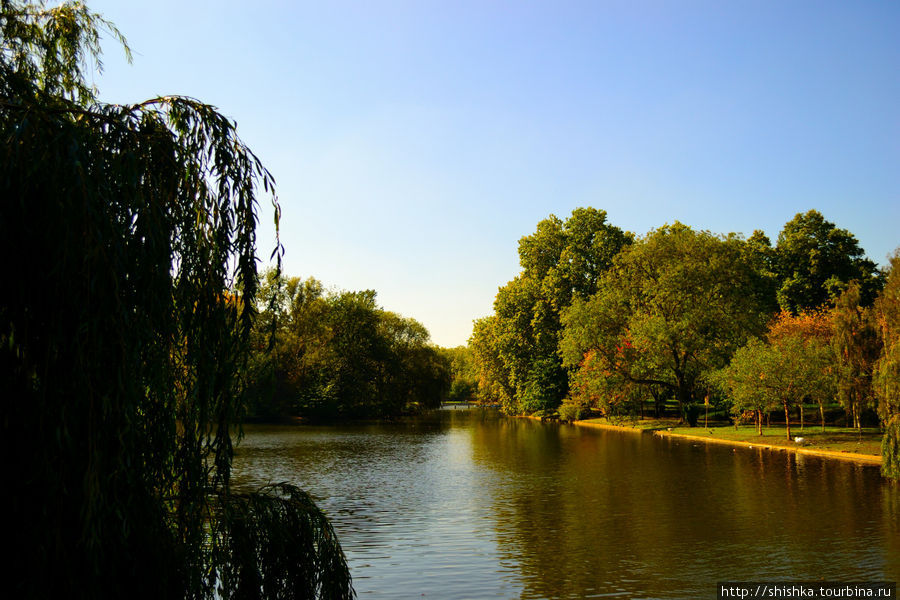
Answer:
(599, 318)
(321, 354)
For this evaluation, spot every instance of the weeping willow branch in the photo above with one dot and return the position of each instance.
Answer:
(279, 544)
(890, 449)
(130, 237)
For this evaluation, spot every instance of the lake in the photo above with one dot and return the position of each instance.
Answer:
(469, 504)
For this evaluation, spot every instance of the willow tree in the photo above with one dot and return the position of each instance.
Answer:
(886, 380)
(121, 347)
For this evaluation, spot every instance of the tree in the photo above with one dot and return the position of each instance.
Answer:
(527, 329)
(493, 376)
(339, 355)
(682, 301)
(561, 261)
(285, 342)
(794, 362)
(857, 347)
(816, 329)
(759, 253)
(123, 340)
(886, 379)
(815, 261)
(463, 374)
(597, 386)
(350, 357)
(743, 380)
(782, 371)
(416, 373)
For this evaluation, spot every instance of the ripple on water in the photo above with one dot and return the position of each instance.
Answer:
(458, 507)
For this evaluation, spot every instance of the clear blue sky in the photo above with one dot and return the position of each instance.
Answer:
(415, 142)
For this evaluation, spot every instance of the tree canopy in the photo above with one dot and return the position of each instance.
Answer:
(794, 362)
(815, 261)
(670, 310)
(683, 314)
(463, 377)
(886, 377)
(561, 261)
(339, 355)
(123, 339)
(856, 347)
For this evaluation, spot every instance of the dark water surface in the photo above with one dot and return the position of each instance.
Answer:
(465, 504)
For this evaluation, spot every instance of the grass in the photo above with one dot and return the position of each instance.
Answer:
(636, 424)
(835, 439)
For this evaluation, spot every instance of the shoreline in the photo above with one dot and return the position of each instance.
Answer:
(868, 459)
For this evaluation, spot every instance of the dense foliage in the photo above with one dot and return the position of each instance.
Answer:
(690, 316)
(856, 347)
(815, 261)
(517, 347)
(792, 364)
(887, 369)
(339, 355)
(463, 376)
(673, 307)
(121, 347)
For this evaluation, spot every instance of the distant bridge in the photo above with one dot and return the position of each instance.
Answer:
(457, 404)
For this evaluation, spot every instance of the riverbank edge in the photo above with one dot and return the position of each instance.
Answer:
(869, 459)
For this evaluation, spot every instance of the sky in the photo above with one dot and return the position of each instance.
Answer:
(414, 143)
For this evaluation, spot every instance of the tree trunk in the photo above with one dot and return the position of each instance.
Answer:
(822, 414)
(787, 419)
(801, 416)
(683, 396)
(758, 422)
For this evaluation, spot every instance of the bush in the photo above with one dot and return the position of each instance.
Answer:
(572, 411)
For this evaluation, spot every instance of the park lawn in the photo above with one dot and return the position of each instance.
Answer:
(635, 424)
(835, 439)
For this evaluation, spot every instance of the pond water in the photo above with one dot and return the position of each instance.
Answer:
(468, 504)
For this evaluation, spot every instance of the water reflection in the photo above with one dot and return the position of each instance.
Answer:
(468, 505)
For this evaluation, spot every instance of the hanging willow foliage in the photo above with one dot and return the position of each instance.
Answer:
(121, 348)
(278, 541)
(890, 449)
(886, 377)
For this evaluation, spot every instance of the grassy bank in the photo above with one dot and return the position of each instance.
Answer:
(835, 442)
(642, 424)
(833, 439)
